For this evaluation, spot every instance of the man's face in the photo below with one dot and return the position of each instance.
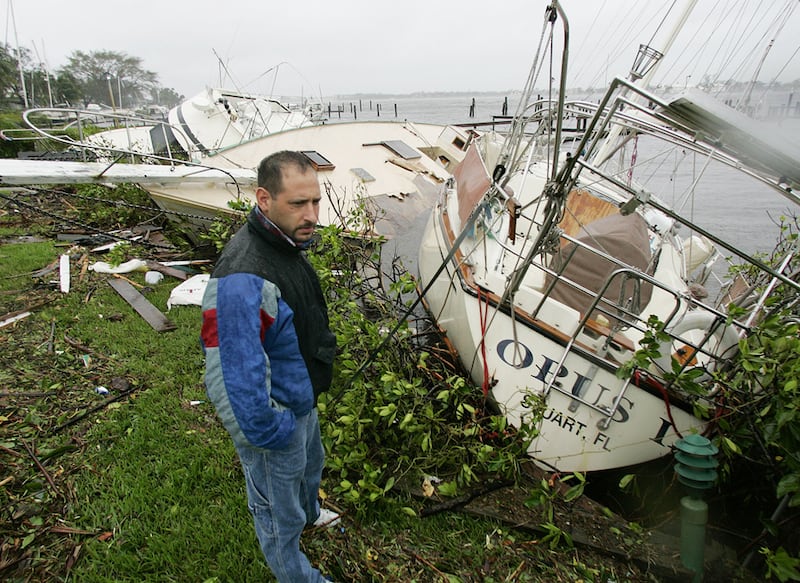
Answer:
(295, 210)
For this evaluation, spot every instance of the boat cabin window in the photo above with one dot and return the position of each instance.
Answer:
(459, 143)
(400, 148)
(318, 161)
(363, 175)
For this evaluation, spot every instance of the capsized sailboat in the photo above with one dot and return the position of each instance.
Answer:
(385, 172)
(204, 124)
(569, 287)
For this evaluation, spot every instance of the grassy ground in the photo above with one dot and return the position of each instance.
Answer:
(142, 483)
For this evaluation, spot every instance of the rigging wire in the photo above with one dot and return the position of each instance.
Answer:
(614, 43)
(511, 147)
(737, 28)
(668, 74)
(660, 24)
(779, 23)
(735, 38)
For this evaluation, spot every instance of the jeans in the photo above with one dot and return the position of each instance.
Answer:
(282, 489)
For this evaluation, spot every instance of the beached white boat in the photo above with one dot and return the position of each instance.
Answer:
(545, 264)
(201, 126)
(216, 119)
(393, 170)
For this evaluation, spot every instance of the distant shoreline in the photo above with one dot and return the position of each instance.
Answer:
(423, 94)
(729, 87)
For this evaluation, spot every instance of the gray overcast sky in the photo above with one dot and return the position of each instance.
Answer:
(368, 46)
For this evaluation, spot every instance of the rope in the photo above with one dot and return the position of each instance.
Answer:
(634, 155)
(639, 379)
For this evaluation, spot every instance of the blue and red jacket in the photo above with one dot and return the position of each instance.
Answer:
(269, 350)
(255, 374)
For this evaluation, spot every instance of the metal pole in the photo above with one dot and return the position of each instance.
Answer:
(111, 92)
(19, 56)
(694, 517)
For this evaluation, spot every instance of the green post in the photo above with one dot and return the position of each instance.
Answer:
(696, 469)
(694, 516)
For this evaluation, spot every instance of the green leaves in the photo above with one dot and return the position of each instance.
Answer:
(780, 564)
(790, 486)
(118, 254)
(575, 491)
(398, 412)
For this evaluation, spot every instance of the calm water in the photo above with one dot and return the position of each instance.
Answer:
(745, 213)
(433, 108)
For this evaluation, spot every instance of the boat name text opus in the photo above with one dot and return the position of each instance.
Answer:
(581, 385)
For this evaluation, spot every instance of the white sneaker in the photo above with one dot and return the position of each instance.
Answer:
(327, 518)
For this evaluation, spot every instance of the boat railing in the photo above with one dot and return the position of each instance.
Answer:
(21, 134)
(698, 337)
(86, 123)
(540, 114)
(646, 115)
(613, 322)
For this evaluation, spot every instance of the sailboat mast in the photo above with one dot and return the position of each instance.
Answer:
(562, 88)
(670, 39)
(19, 55)
(44, 65)
(645, 65)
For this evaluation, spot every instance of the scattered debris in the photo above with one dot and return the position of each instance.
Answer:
(153, 277)
(146, 310)
(130, 281)
(110, 246)
(45, 270)
(167, 270)
(64, 280)
(587, 524)
(190, 292)
(127, 267)
(11, 318)
(80, 346)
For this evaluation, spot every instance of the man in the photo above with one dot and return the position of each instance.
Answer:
(269, 354)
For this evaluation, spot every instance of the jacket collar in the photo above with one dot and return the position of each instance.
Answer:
(276, 231)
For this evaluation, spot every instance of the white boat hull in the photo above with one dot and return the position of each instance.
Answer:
(572, 436)
(362, 172)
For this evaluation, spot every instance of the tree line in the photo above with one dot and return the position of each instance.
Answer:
(104, 77)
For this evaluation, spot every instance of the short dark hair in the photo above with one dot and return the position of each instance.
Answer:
(270, 170)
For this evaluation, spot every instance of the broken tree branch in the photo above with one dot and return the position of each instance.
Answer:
(41, 467)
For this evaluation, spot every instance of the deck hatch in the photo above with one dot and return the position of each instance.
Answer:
(400, 148)
(318, 161)
(363, 175)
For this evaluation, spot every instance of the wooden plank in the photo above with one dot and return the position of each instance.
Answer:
(166, 270)
(14, 317)
(138, 302)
